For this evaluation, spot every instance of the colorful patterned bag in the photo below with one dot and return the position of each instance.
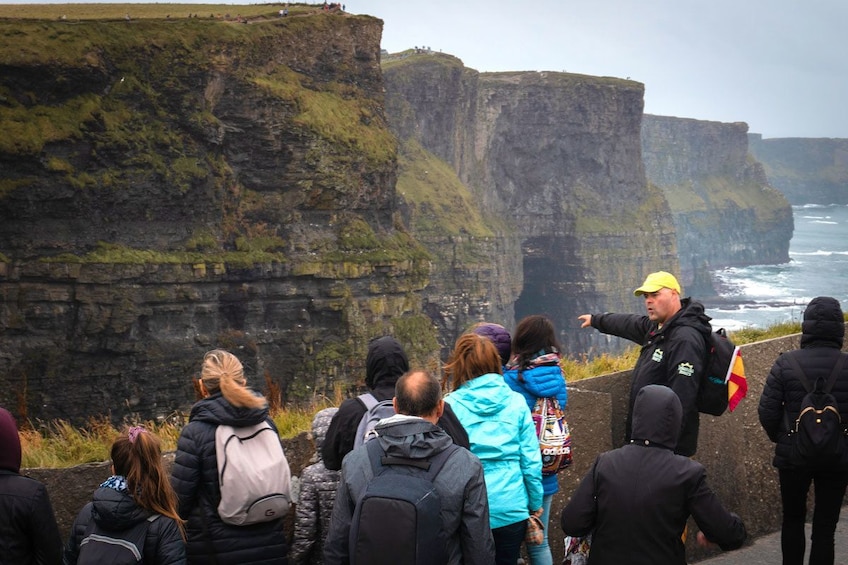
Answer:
(554, 435)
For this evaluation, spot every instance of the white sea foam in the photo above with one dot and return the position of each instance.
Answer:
(768, 294)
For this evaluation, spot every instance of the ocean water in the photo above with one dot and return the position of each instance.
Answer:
(762, 295)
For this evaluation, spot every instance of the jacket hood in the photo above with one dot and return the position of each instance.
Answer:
(10, 442)
(691, 314)
(657, 415)
(116, 511)
(216, 410)
(541, 381)
(823, 323)
(485, 395)
(320, 425)
(411, 437)
(385, 363)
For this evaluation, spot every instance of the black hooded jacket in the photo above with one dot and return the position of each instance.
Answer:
(194, 477)
(28, 530)
(385, 363)
(823, 331)
(674, 355)
(645, 494)
(115, 513)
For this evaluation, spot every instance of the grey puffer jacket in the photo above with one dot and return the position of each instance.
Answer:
(460, 483)
(195, 479)
(823, 331)
(318, 487)
(636, 499)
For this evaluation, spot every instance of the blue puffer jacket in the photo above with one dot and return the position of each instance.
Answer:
(503, 437)
(540, 382)
(195, 479)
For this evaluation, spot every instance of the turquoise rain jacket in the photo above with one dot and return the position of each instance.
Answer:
(503, 437)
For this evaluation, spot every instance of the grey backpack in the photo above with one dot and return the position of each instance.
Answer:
(253, 474)
(375, 410)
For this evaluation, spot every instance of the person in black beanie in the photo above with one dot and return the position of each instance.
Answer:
(28, 530)
(822, 335)
(385, 363)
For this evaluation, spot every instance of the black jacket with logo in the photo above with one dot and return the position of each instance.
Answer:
(674, 355)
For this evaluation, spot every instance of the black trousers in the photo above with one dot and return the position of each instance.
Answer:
(829, 486)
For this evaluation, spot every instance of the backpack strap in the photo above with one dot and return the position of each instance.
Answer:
(801, 375)
(368, 400)
(831, 380)
(834, 374)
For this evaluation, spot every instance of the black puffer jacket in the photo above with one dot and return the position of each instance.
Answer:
(674, 355)
(823, 331)
(385, 363)
(637, 498)
(195, 480)
(114, 513)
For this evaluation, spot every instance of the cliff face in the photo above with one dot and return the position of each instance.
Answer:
(167, 187)
(806, 171)
(553, 166)
(725, 212)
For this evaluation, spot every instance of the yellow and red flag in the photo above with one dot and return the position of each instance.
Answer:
(737, 384)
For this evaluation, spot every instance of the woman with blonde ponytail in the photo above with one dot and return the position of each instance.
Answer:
(133, 511)
(227, 400)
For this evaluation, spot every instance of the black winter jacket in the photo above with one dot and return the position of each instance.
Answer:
(115, 512)
(384, 365)
(674, 355)
(195, 480)
(28, 530)
(645, 494)
(823, 331)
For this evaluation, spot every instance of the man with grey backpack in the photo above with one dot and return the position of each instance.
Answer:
(411, 496)
(803, 409)
(385, 363)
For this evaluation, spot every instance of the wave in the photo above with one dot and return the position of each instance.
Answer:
(817, 253)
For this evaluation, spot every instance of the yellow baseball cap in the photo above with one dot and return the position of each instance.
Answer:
(656, 281)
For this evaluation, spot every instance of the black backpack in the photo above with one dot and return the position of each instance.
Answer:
(818, 436)
(712, 390)
(116, 548)
(398, 519)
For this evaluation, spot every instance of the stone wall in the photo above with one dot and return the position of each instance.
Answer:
(733, 448)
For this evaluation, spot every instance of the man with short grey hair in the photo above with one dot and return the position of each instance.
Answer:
(412, 436)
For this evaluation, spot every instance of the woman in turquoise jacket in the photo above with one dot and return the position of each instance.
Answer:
(534, 371)
(502, 436)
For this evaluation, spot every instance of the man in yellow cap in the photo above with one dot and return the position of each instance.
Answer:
(674, 336)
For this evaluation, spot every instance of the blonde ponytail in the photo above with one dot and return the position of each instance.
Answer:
(222, 371)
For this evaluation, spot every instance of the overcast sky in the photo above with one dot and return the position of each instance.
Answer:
(781, 66)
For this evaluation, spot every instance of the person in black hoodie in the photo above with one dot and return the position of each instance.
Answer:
(135, 504)
(227, 400)
(28, 530)
(674, 337)
(635, 500)
(823, 331)
(385, 363)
